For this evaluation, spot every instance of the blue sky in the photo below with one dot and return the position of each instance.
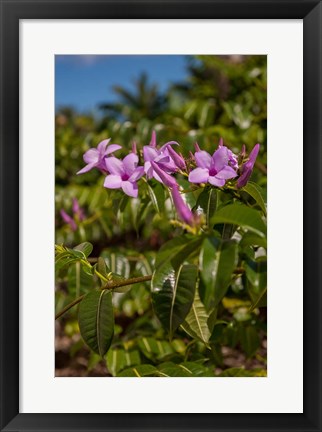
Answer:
(83, 81)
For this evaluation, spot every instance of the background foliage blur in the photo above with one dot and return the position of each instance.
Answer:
(223, 96)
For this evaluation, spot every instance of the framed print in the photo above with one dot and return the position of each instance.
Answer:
(171, 153)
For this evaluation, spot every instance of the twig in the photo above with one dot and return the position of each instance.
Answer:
(105, 287)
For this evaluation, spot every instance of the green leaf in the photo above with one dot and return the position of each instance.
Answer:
(86, 248)
(117, 263)
(218, 259)
(240, 372)
(197, 369)
(78, 282)
(218, 331)
(139, 371)
(207, 202)
(249, 340)
(102, 267)
(239, 214)
(260, 301)
(173, 292)
(155, 349)
(156, 193)
(96, 321)
(170, 369)
(119, 359)
(145, 265)
(102, 271)
(256, 273)
(186, 369)
(177, 250)
(250, 239)
(196, 322)
(63, 260)
(256, 192)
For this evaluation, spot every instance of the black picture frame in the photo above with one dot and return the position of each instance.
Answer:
(14, 10)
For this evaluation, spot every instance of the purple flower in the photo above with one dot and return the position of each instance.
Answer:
(94, 157)
(77, 210)
(212, 169)
(68, 220)
(124, 174)
(247, 168)
(165, 178)
(134, 149)
(177, 158)
(184, 212)
(232, 158)
(153, 142)
(78, 215)
(160, 156)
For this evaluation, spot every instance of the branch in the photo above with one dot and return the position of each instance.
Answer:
(108, 286)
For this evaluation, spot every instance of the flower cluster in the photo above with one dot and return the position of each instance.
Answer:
(162, 163)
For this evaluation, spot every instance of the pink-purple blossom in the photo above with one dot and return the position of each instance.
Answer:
(164, 164)
(213, 169)
(160, 156)
(124, 174)
(247, 168)
(95, 157)
(164, 177)
(177, 158)
(68, 220)
(183, 211)
(78, 215)
(232, 158)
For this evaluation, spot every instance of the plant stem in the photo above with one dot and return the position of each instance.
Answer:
(110, 287)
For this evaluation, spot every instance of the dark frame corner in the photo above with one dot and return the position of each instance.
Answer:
(11, 11)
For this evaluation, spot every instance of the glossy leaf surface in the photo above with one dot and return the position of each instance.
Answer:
(173, 291)
(96, 321)
(218, 259)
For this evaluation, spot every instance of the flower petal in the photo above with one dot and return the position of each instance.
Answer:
(166, 179)
(148, 170)
(170, 143)
(156, 176)
(75, 207)
(199, 175)
(130, 188)
(91, 156)
(203, 159)
(137, 174)
(112, 148)
(102, 146)
(153, 142)
(226, 173)
(87, 168)
(220, 158)
(215, 181)
(149, 153)
(112, 181)
(162, 158)
(130, 163)
(68, 220)
(183, 210)
(247, 168)
(177, 158)
(253, 154)
(114, 166)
